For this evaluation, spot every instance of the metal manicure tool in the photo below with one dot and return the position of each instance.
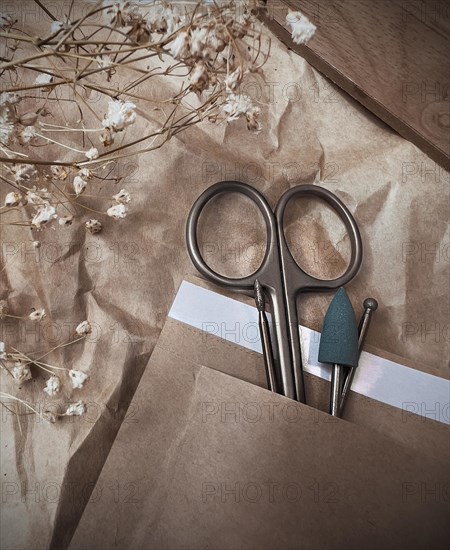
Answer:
(281, 280)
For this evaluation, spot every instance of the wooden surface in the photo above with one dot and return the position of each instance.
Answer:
(390, 55)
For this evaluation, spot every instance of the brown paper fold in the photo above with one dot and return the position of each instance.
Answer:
(215, 462)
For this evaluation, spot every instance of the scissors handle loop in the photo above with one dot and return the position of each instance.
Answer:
(243, 284)
(297, 278)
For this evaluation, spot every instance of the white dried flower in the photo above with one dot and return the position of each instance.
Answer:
(27, 135)
(78, 378)
(38, 197)
(65, 220)
(37, 315)
(56, 26)
(92, 153)
(23, 172)
(104, 61)
(43, 78)
(241, 105)
(21, 373)
(53, 385)
(180, 47)
(233, 80)
(9, 98)
(83, 328)
(93, 226)
(302, 28)
(2, 351)
(162, 19)
(117, 211)
(6, 20)
(199, 77)
(44, 214)
(13, 199)
(122, 13)
(120, 115)
(199, 39)
(6, 125)
(76, 409)
(37, 244)
(86, 174)
(59, 172)
(50, 416)
(79, 185)
(122, 197)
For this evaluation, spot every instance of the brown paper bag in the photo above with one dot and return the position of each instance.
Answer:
(212, 461)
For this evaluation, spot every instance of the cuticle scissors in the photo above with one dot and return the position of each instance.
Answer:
(281, 278)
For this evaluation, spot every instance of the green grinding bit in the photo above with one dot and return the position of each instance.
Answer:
(339, 340)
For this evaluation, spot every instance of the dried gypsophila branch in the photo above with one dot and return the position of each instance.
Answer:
(74, 409)
(18, 364)
(210, 48)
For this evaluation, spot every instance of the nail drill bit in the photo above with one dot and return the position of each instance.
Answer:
(265, 337)
(339, 344)
(370, 305)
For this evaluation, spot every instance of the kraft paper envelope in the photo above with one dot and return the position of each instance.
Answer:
(207, 460)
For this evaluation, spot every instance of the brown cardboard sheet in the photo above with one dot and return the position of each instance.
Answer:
(214, 462)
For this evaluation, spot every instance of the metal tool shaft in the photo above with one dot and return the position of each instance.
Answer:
(370, 305)
(269, 361)
(336, 385)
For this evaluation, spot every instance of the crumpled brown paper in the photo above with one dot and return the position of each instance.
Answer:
(124, 279)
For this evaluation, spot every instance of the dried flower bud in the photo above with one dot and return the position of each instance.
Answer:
(37, 315)
(302, 28)
(107, 137)
(44, 79)
(120, 115)
(2, 351)
(6, 20)
(104, 61)
(59, 172)
(13, 199)
(179, 48)
(83, 328)
(65, 220)
(122, 197)
(37, 244)
(21, 373)
(92, 153)
(44, 214)
(27, 135)
(117, 211)
(3, 308)
(78, 378)
(233, 80)
(50, 416)
(53, 386)
(93, 226)
(76, 409)
(86, 174)
(199, 77)
(23, 172)
(79, 185)
(241, 105)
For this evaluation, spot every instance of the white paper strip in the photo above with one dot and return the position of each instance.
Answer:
(377, 378)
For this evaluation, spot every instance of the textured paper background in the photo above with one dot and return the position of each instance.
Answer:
(125, 278)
